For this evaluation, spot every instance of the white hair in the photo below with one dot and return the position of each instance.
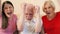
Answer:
(50, 2)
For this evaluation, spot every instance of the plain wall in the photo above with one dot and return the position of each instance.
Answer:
(18, 4)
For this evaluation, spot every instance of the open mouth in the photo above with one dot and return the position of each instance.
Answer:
(48, 13)
(9, 13)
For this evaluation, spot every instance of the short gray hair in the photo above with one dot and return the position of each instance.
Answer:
(50, 2)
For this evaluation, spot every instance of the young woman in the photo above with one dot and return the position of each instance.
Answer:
(51, 20)
(7, 18)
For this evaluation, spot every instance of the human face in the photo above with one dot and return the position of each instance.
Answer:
(8, 10)
(48, 9)
(29, 13)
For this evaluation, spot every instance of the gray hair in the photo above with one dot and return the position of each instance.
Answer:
(50, 2)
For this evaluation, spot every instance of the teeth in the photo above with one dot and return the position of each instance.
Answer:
(9, 13)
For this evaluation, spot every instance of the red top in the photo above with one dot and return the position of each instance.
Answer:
(52, 26)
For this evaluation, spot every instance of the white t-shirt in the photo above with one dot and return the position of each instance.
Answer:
(29, 27)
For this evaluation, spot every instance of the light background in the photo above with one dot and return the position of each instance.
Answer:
(18, 4)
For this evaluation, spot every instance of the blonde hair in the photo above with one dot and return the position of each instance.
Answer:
(50, 2)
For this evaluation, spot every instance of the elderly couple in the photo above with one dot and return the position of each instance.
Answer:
(49, 24)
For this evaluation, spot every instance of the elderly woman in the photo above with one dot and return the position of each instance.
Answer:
(51, 21)
(29, 25)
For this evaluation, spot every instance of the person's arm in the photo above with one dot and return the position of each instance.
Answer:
(42, 30)
(19, 26)
(37, 33)
(16, 31)
(39, 29)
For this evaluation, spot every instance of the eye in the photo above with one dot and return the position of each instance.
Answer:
(49, 7)
(45, 8)
(30, 14)
(26, 14)
(5, 8)
(10, 7)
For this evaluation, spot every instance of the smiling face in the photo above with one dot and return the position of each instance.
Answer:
(48, 9)
(8, 10)
(29, 12)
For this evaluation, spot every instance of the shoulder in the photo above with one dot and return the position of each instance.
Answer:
(43, 16)
(58, 12)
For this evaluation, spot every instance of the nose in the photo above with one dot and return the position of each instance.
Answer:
(8, 9)
(47, 9)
